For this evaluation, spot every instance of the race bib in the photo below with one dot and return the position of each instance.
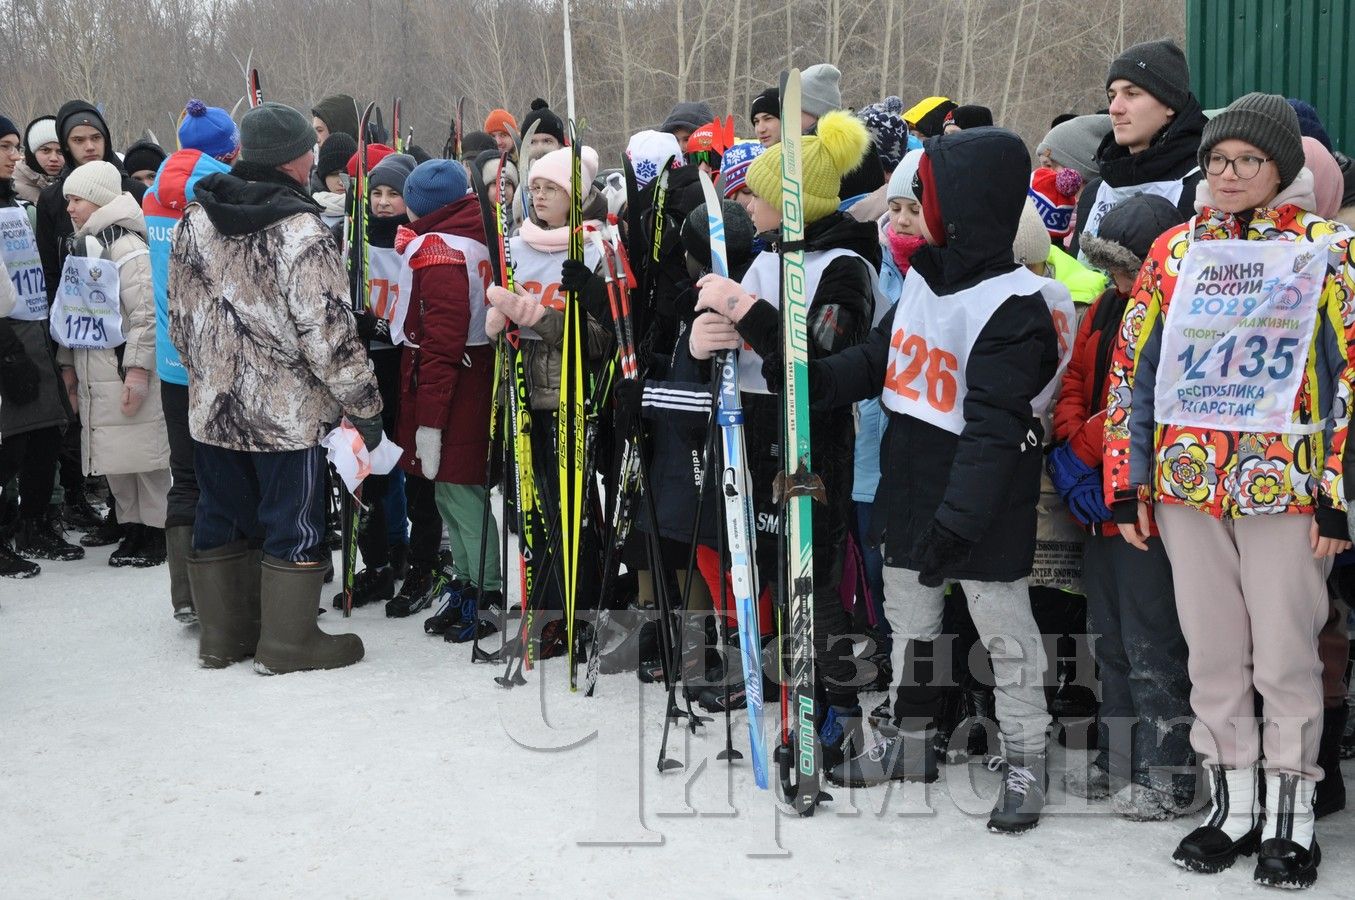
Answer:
(383, 284)
(20, 253)
(1237, 335)
(479, 276)
(763, 280)
(1107, 196)
(87, 313)
(933, 336)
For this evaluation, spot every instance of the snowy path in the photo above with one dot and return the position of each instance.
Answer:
(127, 771)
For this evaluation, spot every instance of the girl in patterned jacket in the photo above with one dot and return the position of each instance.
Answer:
(1228, 411)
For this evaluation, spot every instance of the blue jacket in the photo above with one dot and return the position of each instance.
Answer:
(164, 205)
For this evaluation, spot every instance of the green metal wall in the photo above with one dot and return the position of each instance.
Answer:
(1299, 48)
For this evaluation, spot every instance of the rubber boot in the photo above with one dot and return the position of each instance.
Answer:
(290, 640)
(178, 551)
(225, 586)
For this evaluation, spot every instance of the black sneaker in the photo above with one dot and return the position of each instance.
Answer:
(370, 586)
(449, 595)
(12, 565)
(108, 532)
(128, 553)
(1022, 794)
(480, 616)
(42, 538)
(416, 586)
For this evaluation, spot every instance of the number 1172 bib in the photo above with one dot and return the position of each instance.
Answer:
(1236, 338)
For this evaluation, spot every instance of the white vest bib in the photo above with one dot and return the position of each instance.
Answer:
(477, 269)
(538, 272)
(20, 252)
(763, 280)
(933, 337)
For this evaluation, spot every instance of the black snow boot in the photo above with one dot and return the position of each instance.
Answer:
(42, 538)
(1233, 828)
(1289, 854)
(1022, 794)
(12, 565)
(129, 549)
(107, 533)
(80, 515)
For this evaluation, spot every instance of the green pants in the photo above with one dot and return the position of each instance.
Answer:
(462, 509)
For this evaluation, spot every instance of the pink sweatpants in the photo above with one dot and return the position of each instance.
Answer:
(1251, 600)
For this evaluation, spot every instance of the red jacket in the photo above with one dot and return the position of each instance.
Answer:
(443, 383)
(1080, 411)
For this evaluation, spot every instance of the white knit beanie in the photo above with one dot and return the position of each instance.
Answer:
(901, 182)
(42, 131)
(1032, 238)
(99, 182)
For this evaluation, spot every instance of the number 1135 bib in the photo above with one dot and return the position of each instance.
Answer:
(1237, 335)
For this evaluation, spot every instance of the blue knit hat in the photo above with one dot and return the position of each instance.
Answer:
(434, 184)
(7, 126)
(209, 129)
(734, 166)
(1310, 123)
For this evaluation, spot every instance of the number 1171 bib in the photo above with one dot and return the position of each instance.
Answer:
(1236, 338)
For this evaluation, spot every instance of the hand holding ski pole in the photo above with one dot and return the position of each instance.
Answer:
(711, 333)
(518, 305)
(494, 322)
(724, 295)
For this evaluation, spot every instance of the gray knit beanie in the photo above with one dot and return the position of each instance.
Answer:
(1159, 67)
(820, 90)
(1266, 121)
(391, 172)
(1074, 143)
(272, 134)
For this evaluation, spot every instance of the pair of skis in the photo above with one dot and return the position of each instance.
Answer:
(796, 485)
(740, 525)
(359, 287)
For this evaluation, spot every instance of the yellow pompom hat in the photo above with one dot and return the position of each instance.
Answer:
(838, 148)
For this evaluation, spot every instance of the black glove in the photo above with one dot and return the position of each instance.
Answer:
(372, 327)
(574, 276)
(370, 429)
(19, 375)
(938, 550)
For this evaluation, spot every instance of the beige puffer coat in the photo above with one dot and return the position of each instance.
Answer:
(111, 443)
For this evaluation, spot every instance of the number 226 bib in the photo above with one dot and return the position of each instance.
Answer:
(932, 338)
(1236, 338)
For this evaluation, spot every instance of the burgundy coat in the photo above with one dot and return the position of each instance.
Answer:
(443, 383)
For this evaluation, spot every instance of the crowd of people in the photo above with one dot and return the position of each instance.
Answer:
(1102, 390)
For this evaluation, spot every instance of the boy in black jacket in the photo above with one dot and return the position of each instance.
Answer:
(966, 360)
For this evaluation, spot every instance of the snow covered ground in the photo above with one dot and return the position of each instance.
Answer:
(127, 771)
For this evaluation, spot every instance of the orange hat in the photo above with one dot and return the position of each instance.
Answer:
(375, 153)
(501, 120)
(715, 136)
